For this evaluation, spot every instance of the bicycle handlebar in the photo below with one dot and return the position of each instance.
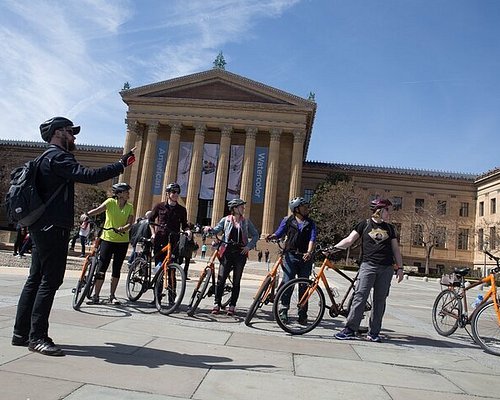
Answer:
(102, 228)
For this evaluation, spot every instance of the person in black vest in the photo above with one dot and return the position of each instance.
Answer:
(300, 232)
(50, 233)
(381, 258)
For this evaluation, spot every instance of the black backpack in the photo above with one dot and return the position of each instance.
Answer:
(23, 202)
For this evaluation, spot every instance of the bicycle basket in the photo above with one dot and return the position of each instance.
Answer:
(450, 280)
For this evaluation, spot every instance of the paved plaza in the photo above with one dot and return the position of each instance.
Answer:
(133, 352)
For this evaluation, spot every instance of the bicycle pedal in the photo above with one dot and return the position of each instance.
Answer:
(73, 290)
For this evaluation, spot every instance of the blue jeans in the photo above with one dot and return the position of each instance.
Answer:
(293, 267)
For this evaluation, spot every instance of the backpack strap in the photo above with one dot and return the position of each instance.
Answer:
(38, 161)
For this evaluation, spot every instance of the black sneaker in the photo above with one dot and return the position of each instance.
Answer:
(302, 318)
(45, 347)
(18, 340)
(283, 315)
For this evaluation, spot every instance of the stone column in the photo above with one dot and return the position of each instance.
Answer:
(271, 182)
(222, 171)
(297, 157)
(248, 167)
(195, 173)
(130, 140)
(145, 192)
(136, 168)
(173, 157)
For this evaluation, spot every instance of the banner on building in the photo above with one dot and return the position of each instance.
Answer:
(208, 170)
(259, 175)
(235, 169)
(161, 162)
(184, 166)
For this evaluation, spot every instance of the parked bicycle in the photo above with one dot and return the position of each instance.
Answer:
(450, 309)
(206, 284)
(267, 290)
(307, 297)
(86, 282)
(168, 281)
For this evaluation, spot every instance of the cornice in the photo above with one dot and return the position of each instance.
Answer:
(43, 145)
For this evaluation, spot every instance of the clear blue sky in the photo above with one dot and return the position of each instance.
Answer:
(403, 83)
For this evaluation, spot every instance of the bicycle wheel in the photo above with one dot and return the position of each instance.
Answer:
(446, 312)
(199, 292)
(259, 299)
(137, 279)
(300, 319)
(486, 328)
(90, 283)
(168, 299)
(228, 290)
(80, 291)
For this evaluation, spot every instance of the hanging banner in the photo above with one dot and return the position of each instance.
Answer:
(208, 170)
(185, 154)
(235, 169)
(259, 175)
(161, 162)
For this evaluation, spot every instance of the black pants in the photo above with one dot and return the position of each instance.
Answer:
(117, 251)
(231, 261)
(48, 264)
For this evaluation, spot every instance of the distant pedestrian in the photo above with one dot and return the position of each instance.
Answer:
(203, 250)
(266, 255)
(259, 255)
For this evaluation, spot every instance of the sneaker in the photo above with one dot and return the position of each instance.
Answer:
(93, 300)
(215, 310)
(18, 340)
(114, 300)
(345, 334)
(45, 347)
(373, 338)
(283, 315)
(303, 319)
(231, 310)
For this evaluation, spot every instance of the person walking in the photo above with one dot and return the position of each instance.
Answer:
(242, 237)
(259, 255)
(266, 256)
(300, 232)
(114, 243)
(203, 250)
(21, 232)
(379, 253)
(50, 233)
(84, 232)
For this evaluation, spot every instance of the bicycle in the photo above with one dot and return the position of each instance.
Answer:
(207, 278)
(168, 281)
(307, 300)
(450, 309)
(267, 290)
(86, 281)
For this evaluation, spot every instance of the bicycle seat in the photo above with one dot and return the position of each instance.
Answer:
(461, 271)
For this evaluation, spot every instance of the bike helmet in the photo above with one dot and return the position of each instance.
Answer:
(173, 186)
(297, 202)
(120, 187)
(379, 203)
(235, 203)
(48, 128)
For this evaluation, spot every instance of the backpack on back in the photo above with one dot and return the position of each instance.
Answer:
(23, 202)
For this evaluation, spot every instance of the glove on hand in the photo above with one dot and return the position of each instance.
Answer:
(128, 159)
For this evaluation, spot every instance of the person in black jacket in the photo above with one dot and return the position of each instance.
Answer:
(50, 234)
(300, 232)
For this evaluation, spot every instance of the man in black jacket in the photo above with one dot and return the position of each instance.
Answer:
(50, 233)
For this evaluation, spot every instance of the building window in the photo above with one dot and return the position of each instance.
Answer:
(440, 238)
(308, 194)
(464, 209)
(480, 238)
(418, 235)
(481, 208)
(463, 239)
(493, 206)
(493, 238)
(419, 205)
(210, 206)
(397, 203)
(441, 207)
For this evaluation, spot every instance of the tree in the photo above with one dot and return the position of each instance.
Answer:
(86, 198)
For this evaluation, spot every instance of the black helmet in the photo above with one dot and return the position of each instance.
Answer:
(120, 187)
(173, 186)
(297, 202)
(235, 203)
(48, 127)
(379, 203)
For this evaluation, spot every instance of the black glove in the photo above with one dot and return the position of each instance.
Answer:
(128, 159)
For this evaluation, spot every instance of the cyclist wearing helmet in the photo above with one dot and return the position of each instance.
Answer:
(114, 244)
(50, 234)
(380, 251)
(171, 218)
(300, 232)
(242, 236)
